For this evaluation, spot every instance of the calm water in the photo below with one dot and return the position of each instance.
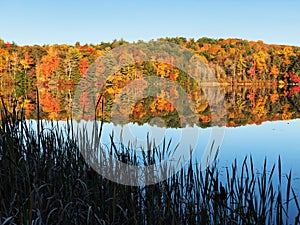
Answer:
(267, 140)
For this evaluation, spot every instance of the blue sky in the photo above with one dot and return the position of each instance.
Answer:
(92, 21)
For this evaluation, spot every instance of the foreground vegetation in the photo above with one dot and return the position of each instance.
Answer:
(45, 180)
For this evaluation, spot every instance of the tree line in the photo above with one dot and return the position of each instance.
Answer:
(231, 60)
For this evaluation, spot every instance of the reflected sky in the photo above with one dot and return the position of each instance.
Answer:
(268, 140)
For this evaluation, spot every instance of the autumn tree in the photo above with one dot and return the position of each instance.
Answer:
(27, 62)
(4, 60)
(71, 64)
(50, 64)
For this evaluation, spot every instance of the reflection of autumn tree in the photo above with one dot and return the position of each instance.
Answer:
(259, 109)
(28, 106)
(286, 114)
(153, 107)
(251, 96)
(50, 105)
(274, 97)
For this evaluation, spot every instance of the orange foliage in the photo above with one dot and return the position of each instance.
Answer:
(50, 105)
(274, 71)
(230, 115)
(205, 118)
(139, 110)
(161, 106)
(251, 96)
(274, 97)
(83, 66)
(49, 65)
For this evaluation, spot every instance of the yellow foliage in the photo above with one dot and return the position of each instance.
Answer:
(259, 109)
(201, 108)
(110, 91)
(163, 69)
(260, 59)
(232, 51)
(162, 105)
(288, 52)
(203, 58)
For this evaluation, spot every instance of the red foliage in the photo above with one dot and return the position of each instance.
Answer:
(85, 102)
(295, 90)
(295, 79)
(7, 45)
(251, 96)
(88, 49)
(171, 76)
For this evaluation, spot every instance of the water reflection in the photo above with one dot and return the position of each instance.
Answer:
(244, 105)
(268, 140)
(261, 120)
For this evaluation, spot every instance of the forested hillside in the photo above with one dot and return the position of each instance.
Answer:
(232, 60)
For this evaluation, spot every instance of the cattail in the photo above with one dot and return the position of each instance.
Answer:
(222, 193)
